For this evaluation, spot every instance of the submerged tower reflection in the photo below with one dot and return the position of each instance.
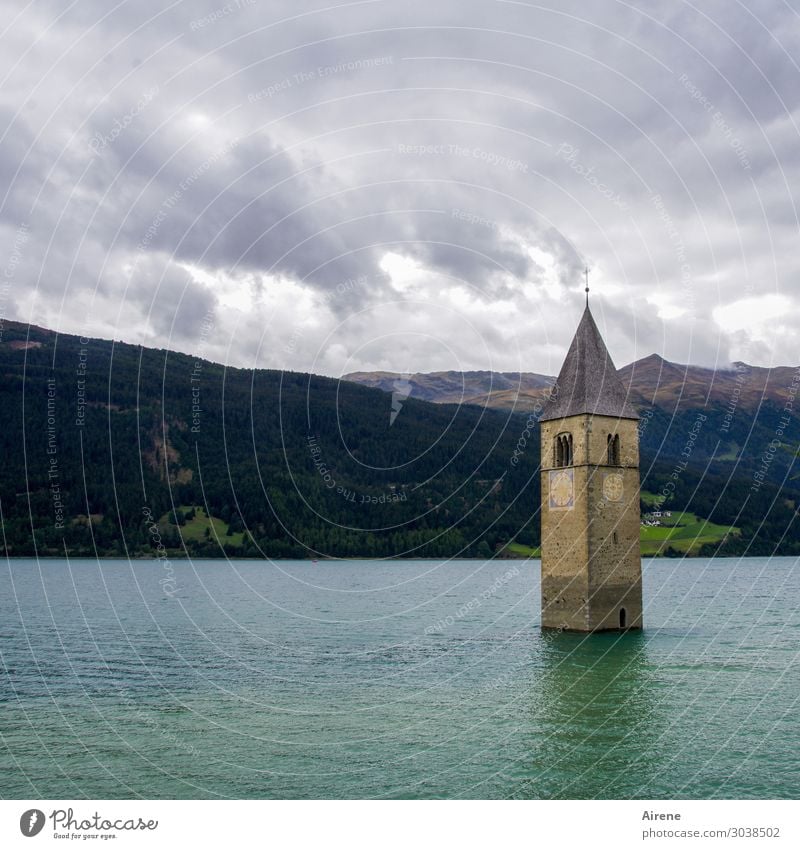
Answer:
(595, 715)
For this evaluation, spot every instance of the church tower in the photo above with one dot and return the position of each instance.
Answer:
(591, 566)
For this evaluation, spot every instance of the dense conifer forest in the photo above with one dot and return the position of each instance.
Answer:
(112, 449)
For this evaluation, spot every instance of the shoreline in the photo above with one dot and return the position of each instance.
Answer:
(182, 556)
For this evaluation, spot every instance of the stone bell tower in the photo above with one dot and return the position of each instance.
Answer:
(591, 567)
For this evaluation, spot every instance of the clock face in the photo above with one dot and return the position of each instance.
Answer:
(612, 487)
(562, 495)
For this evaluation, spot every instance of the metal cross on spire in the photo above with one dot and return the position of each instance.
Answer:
(586, 275)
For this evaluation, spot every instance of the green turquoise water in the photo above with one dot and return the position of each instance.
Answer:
(405, 679)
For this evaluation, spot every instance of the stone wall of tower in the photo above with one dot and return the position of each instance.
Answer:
(591, 567)
(615, 564)
(565, 534)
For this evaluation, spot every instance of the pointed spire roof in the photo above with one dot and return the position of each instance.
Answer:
(588, 381)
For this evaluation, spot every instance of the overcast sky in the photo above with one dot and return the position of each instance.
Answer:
(408, 186)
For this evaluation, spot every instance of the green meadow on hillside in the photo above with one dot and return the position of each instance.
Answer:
(683, 532)
(199, 527)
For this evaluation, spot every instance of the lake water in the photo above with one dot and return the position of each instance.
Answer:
(407, 679)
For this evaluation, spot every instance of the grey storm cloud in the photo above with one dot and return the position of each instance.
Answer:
(177, 306)
(295, 171)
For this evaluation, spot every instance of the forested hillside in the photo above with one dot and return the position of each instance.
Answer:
(102, 440)
(112, 449)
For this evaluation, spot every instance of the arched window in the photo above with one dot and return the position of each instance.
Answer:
(562, 450)
(612, 443)
(623, 618)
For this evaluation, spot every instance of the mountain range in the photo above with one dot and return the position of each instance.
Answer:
(651, 381)
(113, 449)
